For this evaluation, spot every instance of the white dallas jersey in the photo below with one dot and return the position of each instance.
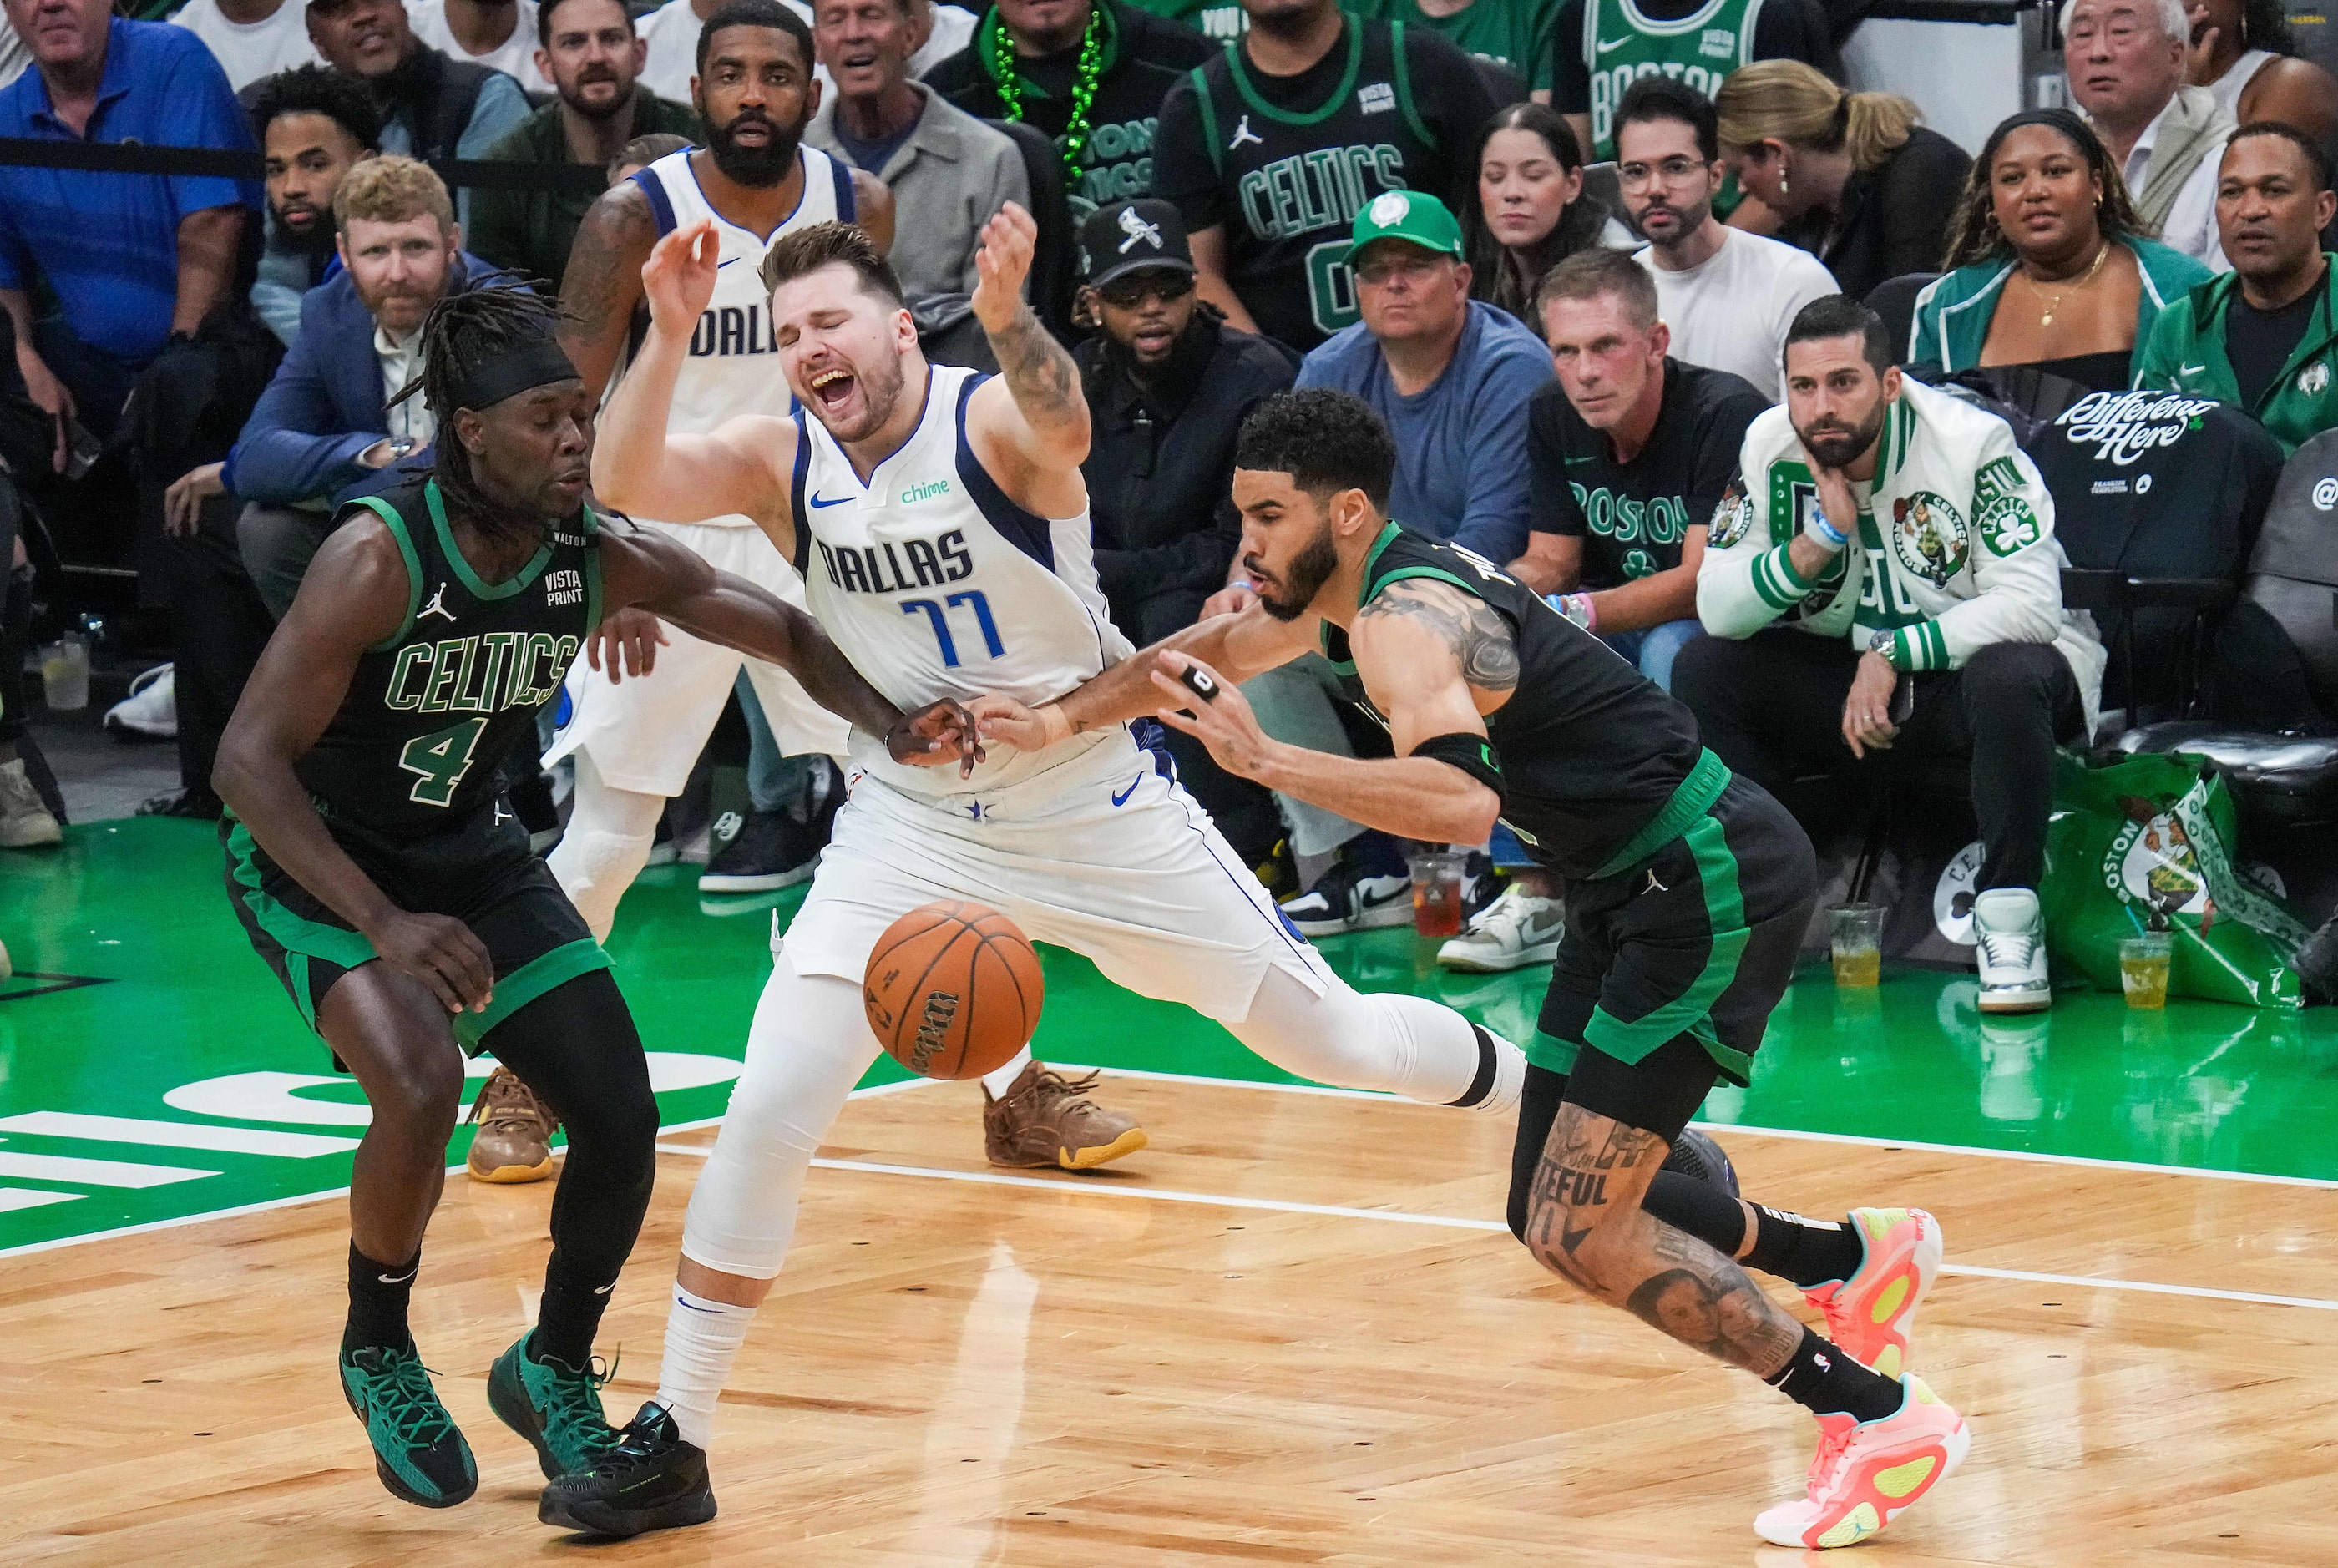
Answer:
(734, 367)
(935, 585)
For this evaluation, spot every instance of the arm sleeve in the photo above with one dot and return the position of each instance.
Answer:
(1555, 509)
(1925, 345)
(207, 115)
(1008, 182)
(1570, 77)
(1183, 172)
(2014, 565)
(1494, 516)
(289, 450)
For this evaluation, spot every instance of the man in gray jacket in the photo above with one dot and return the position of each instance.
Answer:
(948, 170)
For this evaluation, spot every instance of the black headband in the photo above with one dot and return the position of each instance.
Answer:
(507, 373)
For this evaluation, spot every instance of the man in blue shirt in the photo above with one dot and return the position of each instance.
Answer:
(1451, 378)
(131, 259)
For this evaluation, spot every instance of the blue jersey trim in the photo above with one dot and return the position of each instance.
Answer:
(1026, 532)
(796, 496)
(847, 211)
(660, 205)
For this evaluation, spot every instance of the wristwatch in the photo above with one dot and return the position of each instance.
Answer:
(1885, 642)
(399, 445)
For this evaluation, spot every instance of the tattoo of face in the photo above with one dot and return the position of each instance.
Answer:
(1705, 1301)
(1480, 637)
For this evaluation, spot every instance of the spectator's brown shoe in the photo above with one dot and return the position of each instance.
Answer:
(1047, 1118)
(514, 1142)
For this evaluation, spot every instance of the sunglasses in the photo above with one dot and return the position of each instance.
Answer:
(1128, 293)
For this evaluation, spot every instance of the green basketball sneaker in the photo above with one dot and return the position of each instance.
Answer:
(418, 1451)
(555, 1406)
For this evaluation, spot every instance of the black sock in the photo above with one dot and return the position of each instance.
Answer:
(1826, 1381)
(378, 1293)
(567, 1318)
(1699, 1208)
(1807, 1251)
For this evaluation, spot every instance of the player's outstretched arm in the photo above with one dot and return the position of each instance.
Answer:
(1232, 648)
(638, 467)
(1035, 413)
(650, 572)
(355, 595)
(1423, 649)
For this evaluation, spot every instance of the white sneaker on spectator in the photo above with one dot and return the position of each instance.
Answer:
(1515, 930)
(25, 819)
(151, 709)
(2011, 929)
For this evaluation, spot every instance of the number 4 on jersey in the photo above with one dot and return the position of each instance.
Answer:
(440, 759)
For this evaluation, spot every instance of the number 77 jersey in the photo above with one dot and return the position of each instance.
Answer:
(935, 585)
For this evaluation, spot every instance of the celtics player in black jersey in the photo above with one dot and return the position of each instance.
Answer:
(378, 868)
(1689, 891)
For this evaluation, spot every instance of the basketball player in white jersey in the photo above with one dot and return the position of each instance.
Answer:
(942, 525)
(635, 743)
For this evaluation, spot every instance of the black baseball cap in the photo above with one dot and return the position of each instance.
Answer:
(1130, 237)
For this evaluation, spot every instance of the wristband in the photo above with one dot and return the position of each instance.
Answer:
(1833, 537)
(1577, 608)
(1473, 754)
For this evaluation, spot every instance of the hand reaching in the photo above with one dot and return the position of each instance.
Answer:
(678, 279)
(1009, 240)
(633, 635)
(935, 736)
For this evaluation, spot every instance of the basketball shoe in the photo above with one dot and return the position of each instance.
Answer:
(652, 1479)
(417, 1450)
(514, 1142)
(1873, 1314)
(1047, 1118)
(555, 1406)
(1867, 1475)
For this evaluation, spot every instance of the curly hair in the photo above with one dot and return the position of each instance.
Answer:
(1973, 233)
(461, 332)
(392, 190)
(1327, 441)
(318, 90)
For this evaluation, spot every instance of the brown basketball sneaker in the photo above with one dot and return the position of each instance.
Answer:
(1047, 1118)
(514, 1142)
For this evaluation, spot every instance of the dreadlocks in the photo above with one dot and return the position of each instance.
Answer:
(478, 348)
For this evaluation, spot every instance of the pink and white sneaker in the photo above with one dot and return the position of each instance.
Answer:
(1867, 1475)
(1873, 1314)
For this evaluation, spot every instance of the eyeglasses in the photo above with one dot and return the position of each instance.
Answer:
(1128, 293)
(1671, 171)
(1413, 264)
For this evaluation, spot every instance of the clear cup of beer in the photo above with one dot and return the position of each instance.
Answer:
(2142, 969)
(1857, 950)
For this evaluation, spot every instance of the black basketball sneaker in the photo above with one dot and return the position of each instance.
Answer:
(418, 1451)
(652, 1480)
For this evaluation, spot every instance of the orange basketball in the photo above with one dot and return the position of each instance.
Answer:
(953, 990)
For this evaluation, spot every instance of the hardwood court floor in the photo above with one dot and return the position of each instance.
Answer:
(1052, 1371)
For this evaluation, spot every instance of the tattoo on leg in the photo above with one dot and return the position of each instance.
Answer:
(1705, 1301)
(1571, 1181)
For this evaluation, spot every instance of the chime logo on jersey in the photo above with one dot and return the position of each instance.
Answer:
(484, 673)
(733, 330)
(897, 566)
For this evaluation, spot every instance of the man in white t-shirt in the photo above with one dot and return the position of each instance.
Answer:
(1727, 295)
(500, 35)
(250, 38)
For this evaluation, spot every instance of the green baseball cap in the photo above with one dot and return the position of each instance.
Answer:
(1409, 215)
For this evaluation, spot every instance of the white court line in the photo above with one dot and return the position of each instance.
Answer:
(1456, 1222)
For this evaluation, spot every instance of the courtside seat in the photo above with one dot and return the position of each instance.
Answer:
(2279, 779)
(2293, 576)
(1895, 299)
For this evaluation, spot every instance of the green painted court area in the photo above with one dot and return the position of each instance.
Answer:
(152, 1070)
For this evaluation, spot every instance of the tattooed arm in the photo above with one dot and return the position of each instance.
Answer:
(1030, 424)
(1584, 1221)
(603, 280)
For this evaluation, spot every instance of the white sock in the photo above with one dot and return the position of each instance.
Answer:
(701, 1339)
(999, 1082)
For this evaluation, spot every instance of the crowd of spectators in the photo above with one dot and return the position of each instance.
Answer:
(1736, 365)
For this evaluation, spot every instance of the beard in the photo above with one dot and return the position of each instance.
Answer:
(314, 242)
(880, 393)
(1286, 598)
(574, 96)
(760, 167)
(1833, 447)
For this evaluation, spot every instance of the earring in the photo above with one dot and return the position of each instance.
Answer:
(1785, 186)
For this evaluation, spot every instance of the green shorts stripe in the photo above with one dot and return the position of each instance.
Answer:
(540, 975)
(1725, 906)
(293, 932)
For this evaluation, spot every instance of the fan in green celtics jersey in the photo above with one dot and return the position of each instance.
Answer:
(1605, 46)
(1518, 33)
(377, 867)
(1690, 891)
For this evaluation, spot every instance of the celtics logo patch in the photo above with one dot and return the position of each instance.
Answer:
(1928, 538)
(1733, 519)
(2152, 863)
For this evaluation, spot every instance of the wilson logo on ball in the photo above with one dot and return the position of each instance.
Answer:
(953, 990)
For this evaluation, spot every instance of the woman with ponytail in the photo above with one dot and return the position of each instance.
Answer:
(1856, 180)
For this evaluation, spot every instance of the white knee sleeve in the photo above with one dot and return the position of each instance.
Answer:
(809, 1045)
(606, 847)
(1378, 1040)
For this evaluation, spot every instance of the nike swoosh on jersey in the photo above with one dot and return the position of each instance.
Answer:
(1122, 799)
(837, 501)
(2191, 369)
(1604, 44)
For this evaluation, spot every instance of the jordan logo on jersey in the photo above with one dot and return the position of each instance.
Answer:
(895, 566)
(438, 606)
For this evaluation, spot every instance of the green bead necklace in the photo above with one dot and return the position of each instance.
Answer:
(1083, 83)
